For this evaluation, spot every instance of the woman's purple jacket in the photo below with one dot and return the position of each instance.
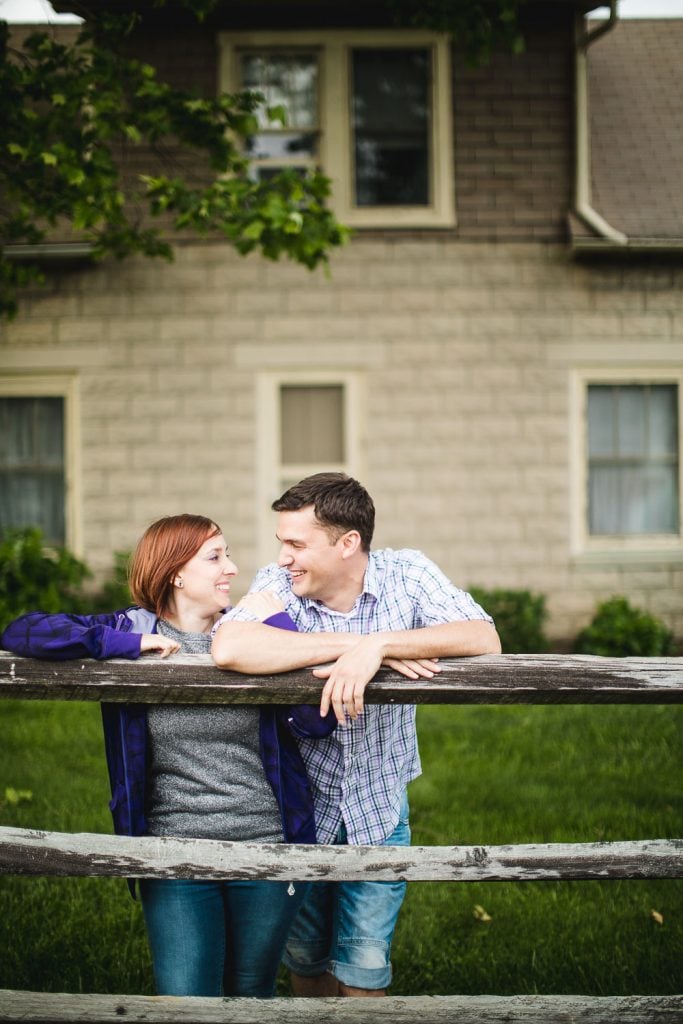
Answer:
(117, 635)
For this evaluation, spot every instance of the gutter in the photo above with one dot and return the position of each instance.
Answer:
(48, 250)
(582, 184)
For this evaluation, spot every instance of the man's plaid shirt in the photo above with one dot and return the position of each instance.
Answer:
(360, 771)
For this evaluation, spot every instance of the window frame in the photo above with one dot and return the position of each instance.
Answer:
(616, 547)
(271, 469)
(336, 143)
(66, 388)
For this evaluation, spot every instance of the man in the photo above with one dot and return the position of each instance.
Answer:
(357, 609)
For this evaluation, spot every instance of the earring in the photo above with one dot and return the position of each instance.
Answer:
(180, 582)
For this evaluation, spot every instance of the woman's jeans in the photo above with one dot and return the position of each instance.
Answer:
(218, 938)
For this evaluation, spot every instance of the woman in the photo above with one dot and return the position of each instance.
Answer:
(202, 771)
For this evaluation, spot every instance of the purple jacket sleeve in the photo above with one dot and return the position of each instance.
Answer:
(60, 636)
(303, 720)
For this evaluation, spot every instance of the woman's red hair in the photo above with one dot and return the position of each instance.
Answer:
(162, 551)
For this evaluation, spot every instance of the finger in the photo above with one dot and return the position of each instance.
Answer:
(171, 648)
(326, 696)
(352, 701)
(403, 667)
(424, 669)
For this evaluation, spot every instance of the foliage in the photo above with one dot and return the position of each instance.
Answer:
(70, 116)
(114, 592)
(32, 577)
(519, 617)
(619, 631)
(35, 578)
(477, 26)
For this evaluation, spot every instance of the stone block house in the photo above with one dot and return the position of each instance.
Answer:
(497, 354)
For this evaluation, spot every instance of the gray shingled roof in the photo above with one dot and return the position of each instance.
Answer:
(635, 89)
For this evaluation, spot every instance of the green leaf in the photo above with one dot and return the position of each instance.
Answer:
(277, 113)
(49, 159)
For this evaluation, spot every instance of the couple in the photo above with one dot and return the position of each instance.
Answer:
(337, 774)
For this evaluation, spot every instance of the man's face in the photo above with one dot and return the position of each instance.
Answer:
(310, 555)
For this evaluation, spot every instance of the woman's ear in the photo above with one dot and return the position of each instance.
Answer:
(178, 582)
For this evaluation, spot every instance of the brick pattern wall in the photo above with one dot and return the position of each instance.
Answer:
(513, 128)
(466, 351)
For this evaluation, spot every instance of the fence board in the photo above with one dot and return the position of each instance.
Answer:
(505, 679)
(32, 852)
(49, 1008)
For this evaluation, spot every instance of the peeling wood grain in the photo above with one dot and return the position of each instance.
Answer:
(32, 852)
(505, 679)
(48, 1008)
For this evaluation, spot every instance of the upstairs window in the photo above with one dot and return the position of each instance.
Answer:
(288, 80)
(371, 109)
(633, 459)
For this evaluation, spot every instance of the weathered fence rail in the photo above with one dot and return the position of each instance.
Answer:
(505, 679)
(508, 679)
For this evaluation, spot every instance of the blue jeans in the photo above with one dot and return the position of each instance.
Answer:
(346, 928)
(217, 938)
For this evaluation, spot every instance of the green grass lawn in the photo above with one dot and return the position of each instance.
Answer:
(491, 776)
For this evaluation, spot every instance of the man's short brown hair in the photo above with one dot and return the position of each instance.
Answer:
(339, 502)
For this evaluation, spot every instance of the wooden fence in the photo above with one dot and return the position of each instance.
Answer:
(508, 679)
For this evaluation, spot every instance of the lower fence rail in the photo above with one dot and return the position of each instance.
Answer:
(57, 1008)
(34, 852)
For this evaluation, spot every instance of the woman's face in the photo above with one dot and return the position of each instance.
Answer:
(206, 577)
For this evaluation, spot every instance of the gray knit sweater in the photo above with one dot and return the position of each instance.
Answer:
(206, 779)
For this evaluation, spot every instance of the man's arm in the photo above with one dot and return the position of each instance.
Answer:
(353, 670)
(252, 648)
(255, 649)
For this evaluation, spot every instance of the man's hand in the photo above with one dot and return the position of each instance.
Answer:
(155, 642)
(348, 676)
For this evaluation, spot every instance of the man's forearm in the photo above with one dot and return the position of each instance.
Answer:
(253, 648)
(449, 640)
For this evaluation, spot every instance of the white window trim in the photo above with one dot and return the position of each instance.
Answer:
(614, 549)
(335, 116)
(270, 468)
(66, 387)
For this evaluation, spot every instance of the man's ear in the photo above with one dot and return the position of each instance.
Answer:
(350, 543)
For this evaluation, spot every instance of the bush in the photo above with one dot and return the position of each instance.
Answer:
(519, 616)
(114, 593)
(34, 578)
(619, 631)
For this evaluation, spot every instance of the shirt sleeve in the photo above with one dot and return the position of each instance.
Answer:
(435, 598)
(60, 636)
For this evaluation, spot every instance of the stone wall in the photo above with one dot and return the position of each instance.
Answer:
(466, 351)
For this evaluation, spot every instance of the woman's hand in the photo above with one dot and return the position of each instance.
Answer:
(156, 643)
(262, 604)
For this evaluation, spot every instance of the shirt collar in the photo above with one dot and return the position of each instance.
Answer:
(371, 587)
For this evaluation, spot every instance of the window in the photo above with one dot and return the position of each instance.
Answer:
(289, 80)
(633, 459)
(35, 464)
(308, 423)
(372, 109)
(628, 494)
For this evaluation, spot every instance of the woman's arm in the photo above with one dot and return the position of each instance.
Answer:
(60, 636)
